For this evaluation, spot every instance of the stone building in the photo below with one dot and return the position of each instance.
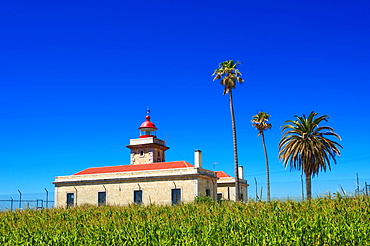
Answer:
(148, 179)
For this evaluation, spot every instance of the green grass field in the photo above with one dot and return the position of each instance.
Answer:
(318, 222)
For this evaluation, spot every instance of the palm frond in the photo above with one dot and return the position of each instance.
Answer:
(304, 144)
(228, 74)
(260, 122)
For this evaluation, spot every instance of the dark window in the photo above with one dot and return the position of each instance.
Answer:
(102, 198)
(70, 199)
(241, 197)
(219, 196)
(142, 153)
(138, 196)
(175, 196)
(208, 192)
(159, 154)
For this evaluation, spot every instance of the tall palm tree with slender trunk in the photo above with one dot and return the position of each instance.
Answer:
(229, 76)
(260, 122)
(304, 146)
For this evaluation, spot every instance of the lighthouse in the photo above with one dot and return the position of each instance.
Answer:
(147, 148)
(147, 179)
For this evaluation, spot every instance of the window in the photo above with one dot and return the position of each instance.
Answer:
(208, 192)
(142, 153)
(159, 154)
(102, 198)
(70, 199)
(219, 196)
(138, 196)
(175, 196)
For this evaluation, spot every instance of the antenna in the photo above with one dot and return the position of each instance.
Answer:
(214, 164)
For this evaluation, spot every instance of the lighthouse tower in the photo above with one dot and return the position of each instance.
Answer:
(147, 148)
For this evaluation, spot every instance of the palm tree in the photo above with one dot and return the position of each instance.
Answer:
(304, 146)
(229, 76)
(259, 121)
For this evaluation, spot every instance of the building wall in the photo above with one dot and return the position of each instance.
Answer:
(226, 187)
(151, 155)
(155, 190)
(158, 192)
(153, 148)
(205, 184)
(146, 158)
(228, 193)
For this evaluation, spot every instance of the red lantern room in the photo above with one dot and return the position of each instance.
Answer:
(147, 128)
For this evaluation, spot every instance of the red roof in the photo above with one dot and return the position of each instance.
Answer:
(132, 168)
(222, 174)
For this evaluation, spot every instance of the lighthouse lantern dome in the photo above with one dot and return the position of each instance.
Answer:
(147, 128)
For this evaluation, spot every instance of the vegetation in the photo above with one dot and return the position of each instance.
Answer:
(304, 146)
(229, 76)
(324, 221)
(260, 122)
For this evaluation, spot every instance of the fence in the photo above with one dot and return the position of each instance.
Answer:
(26, 201)
(296, 190)
(255, 192)
(367, 189)
(13, 204)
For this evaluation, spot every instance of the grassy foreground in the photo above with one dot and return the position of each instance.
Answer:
(317, 222)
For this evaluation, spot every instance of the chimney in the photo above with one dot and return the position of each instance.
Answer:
(241, 172)
(198, 158)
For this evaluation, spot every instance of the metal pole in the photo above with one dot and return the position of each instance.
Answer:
(255, 180)
(357, 186)
(11, 204)
(47, 197)
(366, 188)
(20, 199)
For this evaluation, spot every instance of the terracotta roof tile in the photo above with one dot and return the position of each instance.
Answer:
(222, 174)
(132, 168)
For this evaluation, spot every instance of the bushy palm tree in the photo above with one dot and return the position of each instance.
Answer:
(260, 122)
(229, 76)
(304, 146)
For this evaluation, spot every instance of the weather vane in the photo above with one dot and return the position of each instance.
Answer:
(147, 110)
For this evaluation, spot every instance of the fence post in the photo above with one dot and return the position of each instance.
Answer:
(20, 199)
(47, 197)
(11, 204)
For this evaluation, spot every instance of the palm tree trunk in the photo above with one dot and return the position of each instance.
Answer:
(236, 165)
(308, 186)
(267, 167)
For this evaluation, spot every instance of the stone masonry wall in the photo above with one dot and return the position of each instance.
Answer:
(157, 191)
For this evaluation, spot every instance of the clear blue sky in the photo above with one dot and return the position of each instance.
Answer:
(76, 78)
